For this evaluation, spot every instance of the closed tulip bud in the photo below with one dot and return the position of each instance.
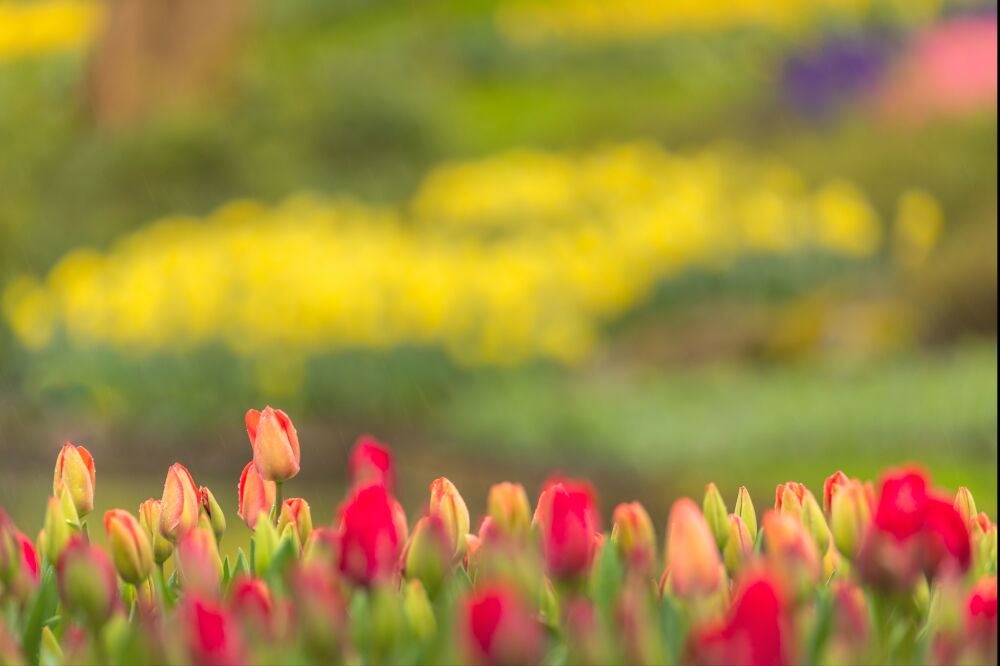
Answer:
(428, 554)
(371, 463)
(19, 565)
(788, 498)
(296, 513)
(322, 549)
(255, 496)
(211, 635)
(149, 519)
(692, 554)
(57, 526)
(496, 628)
(815, 522)
(252, 603)
(965, 504)
(212, 511)
(9, 557)
(567, 520)
(265, 543)
(832, 484)
(275, 444)
(87, 582)
(370, 537)
(983, 534)
(181, 504)
(447, 503)
(129, 546)
(739, 545)
(75, 473)
(418, 610)
(850, 516)
(199, 563)
(744, 509)
(634, 537)
(507, 504)
(791, 549)
(714, 508)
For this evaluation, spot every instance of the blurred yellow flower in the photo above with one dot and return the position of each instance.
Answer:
(33, 28)
(918, 226)
(523, 254)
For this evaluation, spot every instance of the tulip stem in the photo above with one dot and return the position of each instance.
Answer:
(276, 509)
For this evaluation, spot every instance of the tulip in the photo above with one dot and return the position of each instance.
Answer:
(371, 463)
(19, 563)
(199, 563)
(149, 519)
(212, 511)
(756, 632)
(744, 509)
(850, 517)
(497, 629)
(266, 541)
(965, 504)
(275, 444)
(87, 582)
(507, 504)
(251, 601)
(60, 513)
(692, 554)
(833, 483)
(369, 535)
(322, 548)
(815, 522)
(567, 520)
(75, 473)
(634, 537)
(428, 554)
(791, 549)
(210, 634)
(984, 543)
(981, 616)
(129, 545)
(418, 611)
(9, 557)
(295, 513)
(739, 545)
(322, 607)
(181, 504)
(714, 509)
(447, 503)
(947, 542)
(256, 496)
(788, 498)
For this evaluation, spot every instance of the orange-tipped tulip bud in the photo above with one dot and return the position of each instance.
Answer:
(295, 512)
(739, 545)
(199, 563)
(429, 553)
(788, 498)
(275, 444)
(212, 511)
(129, 546)
(791, 549)
(508, 506)
(714, 508)
(966, 505)
(692, 554)
(447, 503)
(181, 504)
(815, 522)
(744, 509)
(850, 516)
(256, 496)
(87, 582)
(59, 514)
(75, 473)
(19, 563)
(634, 537)
(832, 484)
(149, 518)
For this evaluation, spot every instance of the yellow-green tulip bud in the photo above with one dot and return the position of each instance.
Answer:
(129, 546)
(714, 508)
(744, 509)
(149, 518)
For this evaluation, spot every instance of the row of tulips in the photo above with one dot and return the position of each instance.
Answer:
(893, 573)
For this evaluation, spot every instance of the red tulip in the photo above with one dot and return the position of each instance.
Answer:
(695, 569)
(981, 614)
(211, 635)
(371, 463)
(181, 503)
(87, 581)
(755, 633)
(255, 495)
(19, 563)
(498, 629)
(199, 562)
(788, 497)
(370, 535)
(275, 444)
(634, 537)
(567, 520)
(830, 486)
(75, 473)
(295, 511)
(251, 601)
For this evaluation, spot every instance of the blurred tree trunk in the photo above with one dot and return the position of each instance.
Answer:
(156, 53)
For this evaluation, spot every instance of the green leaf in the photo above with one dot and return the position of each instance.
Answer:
(50, 653)
(241, 564)
(252, 558)
(674, 628)
(227, 574)
(42, 607)
(821, 628)
(607, 581)
(280, 561)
